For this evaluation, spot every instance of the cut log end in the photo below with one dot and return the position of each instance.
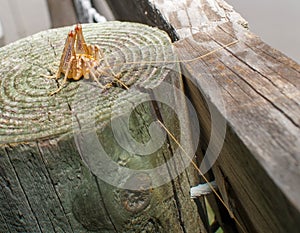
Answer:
(29, 113)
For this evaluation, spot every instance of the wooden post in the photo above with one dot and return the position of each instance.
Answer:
(48, 180)
(258, 168)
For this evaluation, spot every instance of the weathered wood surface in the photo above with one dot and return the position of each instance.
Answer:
(258, 169)
(45, 186)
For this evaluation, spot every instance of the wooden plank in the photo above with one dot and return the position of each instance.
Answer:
(261, 128)
(258, 168)
(179, 19)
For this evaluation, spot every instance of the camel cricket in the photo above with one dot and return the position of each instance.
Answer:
(77, 59)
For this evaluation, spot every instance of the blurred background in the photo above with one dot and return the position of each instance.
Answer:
(276, 22)
(21, 18)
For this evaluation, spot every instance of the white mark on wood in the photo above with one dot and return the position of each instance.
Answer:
(197, 15)
(203, 189)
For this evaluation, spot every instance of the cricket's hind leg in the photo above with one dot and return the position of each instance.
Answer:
(113, 79)
(90, 72)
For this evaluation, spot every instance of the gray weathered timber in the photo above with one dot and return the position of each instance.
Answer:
(256, 164)
(258, 169)
(45, 181)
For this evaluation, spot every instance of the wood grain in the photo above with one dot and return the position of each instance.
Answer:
(258, 162)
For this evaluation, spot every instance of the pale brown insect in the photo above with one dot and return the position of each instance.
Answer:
(78, 59)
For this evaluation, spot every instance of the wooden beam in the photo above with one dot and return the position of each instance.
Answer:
(255, 171)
